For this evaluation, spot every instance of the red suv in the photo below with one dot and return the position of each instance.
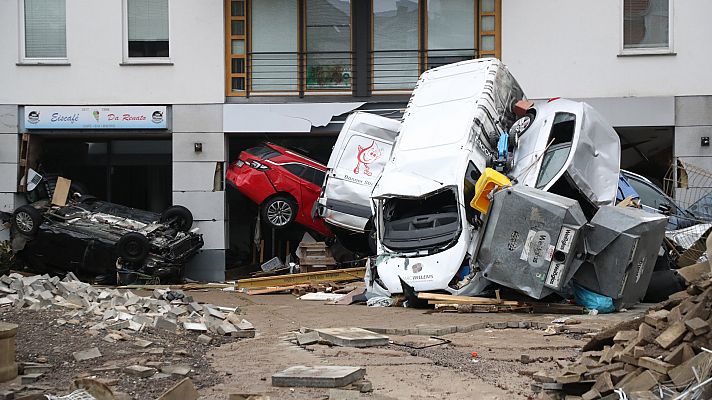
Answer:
(283, 183)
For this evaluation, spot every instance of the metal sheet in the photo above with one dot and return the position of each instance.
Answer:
(251, 118)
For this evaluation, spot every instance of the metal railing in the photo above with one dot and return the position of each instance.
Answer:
(337, 71)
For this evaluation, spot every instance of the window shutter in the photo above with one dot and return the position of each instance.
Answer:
(148, 20)
(45, 29)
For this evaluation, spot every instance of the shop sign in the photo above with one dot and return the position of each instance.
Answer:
(100, 117)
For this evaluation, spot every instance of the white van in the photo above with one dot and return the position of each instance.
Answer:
(356, 162)
(425, 228)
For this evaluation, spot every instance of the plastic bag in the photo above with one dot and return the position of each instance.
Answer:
(593, 301)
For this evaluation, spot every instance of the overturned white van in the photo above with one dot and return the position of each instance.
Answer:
(424, 224)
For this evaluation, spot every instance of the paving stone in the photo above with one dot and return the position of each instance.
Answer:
(204, 339)
(195, 326)
(683, 373)
(30, 378)
(697, 326)
(342, 394)
(318, 376)
(166, 324)
(142, 343)
(243, 334)
(179, 370)
(245, 325)
(183, 390)
(86, 354)
(140, 371)
(213, 312)
(304, 339)
(352, 337)
(7, 395)
(642, 382)
(672, 335)
(226, 328)
(654, 364)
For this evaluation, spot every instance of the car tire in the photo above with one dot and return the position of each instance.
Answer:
(133, 247)
(182, 217)
(279, 211)
(521, 125)
(26, 220)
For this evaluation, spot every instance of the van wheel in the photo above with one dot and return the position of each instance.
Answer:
(279, 211)
(26, 220)
(133, 247)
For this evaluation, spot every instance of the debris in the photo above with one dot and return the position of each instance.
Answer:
(352, 337)
(88, 354)
(272, 264)
(304, 339)
(321, 296)
(338, 275)
(318, 376)
(204, 339)
(177, 370)
(140, 371)
(30, 378)
(183, 390)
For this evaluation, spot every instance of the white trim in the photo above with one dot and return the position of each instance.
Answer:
(126, 60)
(22, 60)
(668, 50)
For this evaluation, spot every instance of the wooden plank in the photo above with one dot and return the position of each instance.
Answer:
(346, 274)
(476, 302)
(61, 191)
(446, 298)
(270, 290)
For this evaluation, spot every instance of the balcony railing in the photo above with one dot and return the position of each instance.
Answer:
(338, 72)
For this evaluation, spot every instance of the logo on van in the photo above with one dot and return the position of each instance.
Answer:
(367, 155)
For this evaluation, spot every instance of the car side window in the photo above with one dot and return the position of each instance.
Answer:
(296, 169)
(649, 196)
(314, 176)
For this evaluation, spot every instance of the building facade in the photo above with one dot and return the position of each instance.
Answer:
(115, 95)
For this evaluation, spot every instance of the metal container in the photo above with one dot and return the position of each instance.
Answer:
(622, 246)
(531, 240)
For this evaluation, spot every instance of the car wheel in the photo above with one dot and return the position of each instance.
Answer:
(133, 247)
(279, 211)
(26, 220)
(520, 126)
(179, 216)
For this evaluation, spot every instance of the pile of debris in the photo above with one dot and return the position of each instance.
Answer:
(666, 353)
(115, 310)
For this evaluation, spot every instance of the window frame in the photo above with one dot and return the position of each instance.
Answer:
(22, 57)
(667, 50)
(126, 60)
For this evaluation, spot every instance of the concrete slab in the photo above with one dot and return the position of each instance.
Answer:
(323, 376)
(352, 337)
(86, 354)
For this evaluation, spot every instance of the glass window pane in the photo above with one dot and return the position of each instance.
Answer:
(147, 28)
(487, 23)
(554, 159)
(451, 31)
(487, 5)
(395, 44)
(238, 46)
(238, 84)
(238, 27)
(328, 44)
(274, 35)
(646, 23)
(238, 8)
(487, 43)
(238, 66)
(45, 28)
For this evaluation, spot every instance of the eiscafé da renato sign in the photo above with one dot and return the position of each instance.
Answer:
(100, 117)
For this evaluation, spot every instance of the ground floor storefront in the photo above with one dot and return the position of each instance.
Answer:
(183, 159)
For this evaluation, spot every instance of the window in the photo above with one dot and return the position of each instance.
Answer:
(451, 31)
(296, 169)
(490, 22)
(554, 159)
(274, 45)
(328, 37)
(236, 40)
(45, 29)
(395, 44)
(647, 26)
(314, 176)
(146, 29)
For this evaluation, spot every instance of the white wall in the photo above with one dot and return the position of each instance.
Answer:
(94, 49)
(570, 48)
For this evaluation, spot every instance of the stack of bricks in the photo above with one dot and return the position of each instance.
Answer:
(667, 351)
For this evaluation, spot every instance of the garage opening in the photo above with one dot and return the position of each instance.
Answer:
(647, 151)
(251, 243)
(132, 172)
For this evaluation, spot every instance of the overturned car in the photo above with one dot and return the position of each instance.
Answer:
(105, 242)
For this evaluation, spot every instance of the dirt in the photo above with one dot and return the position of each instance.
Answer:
(40, 338)
(246, 365)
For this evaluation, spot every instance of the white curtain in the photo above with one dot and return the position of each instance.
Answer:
(148, 20)
(274, 33)
(45, 29)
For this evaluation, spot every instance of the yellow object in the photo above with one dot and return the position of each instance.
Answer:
(484, 186)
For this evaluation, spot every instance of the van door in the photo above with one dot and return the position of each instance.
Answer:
(357, 160)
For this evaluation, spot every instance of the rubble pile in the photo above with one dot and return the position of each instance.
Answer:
(667, 353)
(114, 310)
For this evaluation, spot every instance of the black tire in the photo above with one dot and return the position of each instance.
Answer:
(279, 211)
(178, 216)
(133, 247)
(27, 220)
